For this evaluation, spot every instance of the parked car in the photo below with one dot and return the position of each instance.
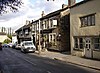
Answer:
(28, 46)
(10, 45)
(0, 46)
(5, 45)
(18, 46)
(14, 46)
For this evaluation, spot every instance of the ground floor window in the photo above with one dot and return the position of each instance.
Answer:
(52, 39)
(97, 43)
(87, 42)
(78, 43)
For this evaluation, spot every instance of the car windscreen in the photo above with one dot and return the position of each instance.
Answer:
(28, 43)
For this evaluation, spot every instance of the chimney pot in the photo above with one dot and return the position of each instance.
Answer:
(42, 14)
(64, 6)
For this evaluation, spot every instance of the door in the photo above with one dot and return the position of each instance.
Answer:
(88, 50)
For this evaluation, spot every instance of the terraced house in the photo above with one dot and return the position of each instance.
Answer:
(85, 29)
(24, 33)
(54, 30)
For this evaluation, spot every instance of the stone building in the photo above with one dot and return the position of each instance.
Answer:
(85, 29)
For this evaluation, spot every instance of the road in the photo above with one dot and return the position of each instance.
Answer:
(13, 61)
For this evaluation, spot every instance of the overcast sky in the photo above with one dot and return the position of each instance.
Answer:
(30, 10)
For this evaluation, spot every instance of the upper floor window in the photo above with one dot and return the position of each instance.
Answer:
(33, 27)
(88, 20)
(45, 24)
(20, 33)
(37, 26)
(26, 31)
(53, 23)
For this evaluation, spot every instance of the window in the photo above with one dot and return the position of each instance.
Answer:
(78, 43)
(33, 27)
(93, 20)
(53, 23)
(52, 38)
(26, 31)
(97, 43)
(45, 24)
(81, 43)
(88, 20)
(37, 26)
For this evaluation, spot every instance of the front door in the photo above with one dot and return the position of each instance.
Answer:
(88, 50)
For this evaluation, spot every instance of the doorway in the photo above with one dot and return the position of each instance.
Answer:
(88, 48)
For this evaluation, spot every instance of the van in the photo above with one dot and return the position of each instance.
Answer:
(27, 46)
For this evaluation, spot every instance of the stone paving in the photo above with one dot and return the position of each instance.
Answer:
(72, 59)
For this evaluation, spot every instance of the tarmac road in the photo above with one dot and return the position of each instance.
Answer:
(13, 61)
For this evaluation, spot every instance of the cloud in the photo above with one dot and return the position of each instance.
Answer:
(30, 10)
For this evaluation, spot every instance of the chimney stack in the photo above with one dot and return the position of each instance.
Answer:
(71, 2)
(27, 22)
(42, 14)
(64, 6)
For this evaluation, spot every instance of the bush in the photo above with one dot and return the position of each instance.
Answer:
(7, 41)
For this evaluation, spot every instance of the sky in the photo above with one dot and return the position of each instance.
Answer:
(30, 10)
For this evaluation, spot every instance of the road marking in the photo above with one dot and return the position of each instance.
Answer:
(48, 72)
(21, 56)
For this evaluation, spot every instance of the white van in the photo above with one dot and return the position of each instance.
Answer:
(28, 46)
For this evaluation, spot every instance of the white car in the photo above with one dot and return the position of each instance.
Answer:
(28, 46)
(18, 46)
(10, 45)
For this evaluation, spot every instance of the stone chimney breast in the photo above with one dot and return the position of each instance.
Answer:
(42, 14)
(71, 2)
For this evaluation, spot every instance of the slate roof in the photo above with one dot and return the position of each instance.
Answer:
(23, 27)
(53, 13)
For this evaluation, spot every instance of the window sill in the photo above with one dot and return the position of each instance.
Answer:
(96, 50)
(76, 49)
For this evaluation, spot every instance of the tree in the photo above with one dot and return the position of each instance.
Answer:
(12, 5)
(6, 41)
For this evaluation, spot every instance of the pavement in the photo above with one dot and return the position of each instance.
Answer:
(94, 64)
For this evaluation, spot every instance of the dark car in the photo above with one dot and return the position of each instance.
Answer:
(14, 46)
(5, 46)
(0, 46)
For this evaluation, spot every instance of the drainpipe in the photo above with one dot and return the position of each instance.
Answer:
(39, 47)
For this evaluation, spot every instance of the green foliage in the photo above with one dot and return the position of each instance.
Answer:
(12, 5)
(7, 41)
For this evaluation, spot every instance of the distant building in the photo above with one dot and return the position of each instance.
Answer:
(3, 36)
(24, 33)
(14, 38)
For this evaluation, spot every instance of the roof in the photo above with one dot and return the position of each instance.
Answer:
(53, 13)
(14, 34)
(82, 2)
(2, 33)
(23, 27)
(35, 21)
(50, 14)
